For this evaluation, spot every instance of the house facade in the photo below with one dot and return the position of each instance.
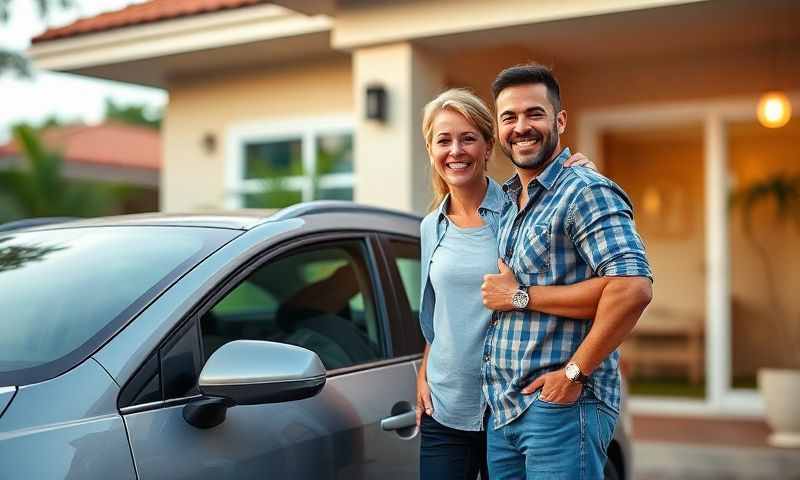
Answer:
(269, 104)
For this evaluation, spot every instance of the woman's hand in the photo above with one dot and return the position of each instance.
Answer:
(580, 160)
(424, 403)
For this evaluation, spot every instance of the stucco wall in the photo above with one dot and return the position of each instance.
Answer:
(194, 178)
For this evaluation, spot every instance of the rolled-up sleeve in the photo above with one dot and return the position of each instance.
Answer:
(601, 226)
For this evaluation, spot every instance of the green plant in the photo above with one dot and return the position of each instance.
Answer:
(41, 189)
(782, 192)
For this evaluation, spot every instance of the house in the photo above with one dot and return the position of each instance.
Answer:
(268, 105)
(110, 152)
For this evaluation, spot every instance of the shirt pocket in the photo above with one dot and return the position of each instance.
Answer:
(535, 258)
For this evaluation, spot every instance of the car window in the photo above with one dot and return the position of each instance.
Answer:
(65, 292)
(404, 254)
(319, 298)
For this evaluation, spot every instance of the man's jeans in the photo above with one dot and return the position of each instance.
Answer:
(553, 442)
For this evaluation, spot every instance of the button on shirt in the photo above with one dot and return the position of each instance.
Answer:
(577, 224)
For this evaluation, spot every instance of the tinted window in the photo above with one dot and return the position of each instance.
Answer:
(319, 298)
(62, 292)
(405, 256)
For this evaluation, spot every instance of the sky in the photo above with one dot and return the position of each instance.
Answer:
(69, 97)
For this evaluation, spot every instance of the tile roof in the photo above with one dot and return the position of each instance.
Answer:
(141, 13)
(109, 144)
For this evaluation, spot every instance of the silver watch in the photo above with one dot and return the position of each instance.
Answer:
(520, 299)
(574, 374)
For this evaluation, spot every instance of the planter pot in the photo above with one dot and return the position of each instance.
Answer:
(781, 392)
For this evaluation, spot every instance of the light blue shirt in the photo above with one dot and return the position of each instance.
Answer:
(460, 319)
(433, 229)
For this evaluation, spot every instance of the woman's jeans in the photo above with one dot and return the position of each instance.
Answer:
(447, 453)
(553, 442)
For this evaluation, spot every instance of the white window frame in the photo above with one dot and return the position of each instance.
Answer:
(308, 130)
(714, 115)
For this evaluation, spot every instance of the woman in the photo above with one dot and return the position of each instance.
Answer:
(459, 246)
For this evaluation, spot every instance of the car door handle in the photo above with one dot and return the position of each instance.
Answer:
(396, 422)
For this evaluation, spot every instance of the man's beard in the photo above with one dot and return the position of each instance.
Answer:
(548, 146)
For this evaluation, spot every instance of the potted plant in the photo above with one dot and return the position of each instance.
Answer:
(779, 382)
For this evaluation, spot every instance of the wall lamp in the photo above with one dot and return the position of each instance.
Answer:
(376, 102)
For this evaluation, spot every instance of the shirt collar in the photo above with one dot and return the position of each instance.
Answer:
(548, 176)
(492, 201)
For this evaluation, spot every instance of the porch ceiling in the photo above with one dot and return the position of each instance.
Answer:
(650, 33)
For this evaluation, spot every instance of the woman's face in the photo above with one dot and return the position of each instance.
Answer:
(458, 151)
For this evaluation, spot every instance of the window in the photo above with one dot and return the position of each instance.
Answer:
(275, 166)
(319, 298)
(405, 255)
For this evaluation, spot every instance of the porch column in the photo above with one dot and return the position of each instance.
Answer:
(718, 333)
(391, 165)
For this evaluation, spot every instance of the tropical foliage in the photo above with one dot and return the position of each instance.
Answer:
(40, 189)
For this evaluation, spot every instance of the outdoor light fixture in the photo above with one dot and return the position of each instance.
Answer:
(209, 142)
(376, 103)
(774, 109)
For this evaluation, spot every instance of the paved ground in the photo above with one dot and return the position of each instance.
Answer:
(677, 448)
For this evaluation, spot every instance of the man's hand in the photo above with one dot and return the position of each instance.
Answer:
(580, 160)
(424, 403)
(498, 289)
(556, 388)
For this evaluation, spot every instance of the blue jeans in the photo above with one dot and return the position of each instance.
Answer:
(450, 454)
(553, 442)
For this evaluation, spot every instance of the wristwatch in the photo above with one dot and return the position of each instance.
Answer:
(574, 374)
(521, 298)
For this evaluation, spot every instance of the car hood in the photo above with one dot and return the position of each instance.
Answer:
(6, 394)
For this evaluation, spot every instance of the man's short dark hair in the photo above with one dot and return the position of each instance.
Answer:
(531, 73)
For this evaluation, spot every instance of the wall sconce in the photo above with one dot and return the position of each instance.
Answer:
(376, 103)
(209, 143)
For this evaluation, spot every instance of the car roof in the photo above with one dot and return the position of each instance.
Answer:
(232, 219)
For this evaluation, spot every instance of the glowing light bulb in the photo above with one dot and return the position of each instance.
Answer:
(774, 110)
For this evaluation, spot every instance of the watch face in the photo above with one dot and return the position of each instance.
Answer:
(520, 300)
(572, 371)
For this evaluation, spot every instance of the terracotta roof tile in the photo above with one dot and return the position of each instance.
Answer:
(109, 144)
(137, 14)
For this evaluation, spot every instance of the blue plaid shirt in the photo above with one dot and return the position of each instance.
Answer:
(577, 224)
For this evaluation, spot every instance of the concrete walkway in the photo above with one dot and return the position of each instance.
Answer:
(672, 461)
(683, 448)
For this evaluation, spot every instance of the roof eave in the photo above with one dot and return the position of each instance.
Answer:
(101, 54)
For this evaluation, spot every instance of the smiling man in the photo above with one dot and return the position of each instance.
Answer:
(553, 382)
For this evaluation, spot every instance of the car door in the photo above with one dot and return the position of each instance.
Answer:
(325, 294)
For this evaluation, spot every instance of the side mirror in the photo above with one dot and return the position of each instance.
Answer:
(250, 372)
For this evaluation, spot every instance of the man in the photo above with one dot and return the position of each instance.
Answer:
(552, 383)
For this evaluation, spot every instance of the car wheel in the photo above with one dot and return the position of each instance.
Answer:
(611, 472)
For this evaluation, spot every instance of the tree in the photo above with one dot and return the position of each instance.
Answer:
(15, 61)
(133, 114)
(41, 190)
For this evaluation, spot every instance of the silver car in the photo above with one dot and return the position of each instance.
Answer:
(243, 345)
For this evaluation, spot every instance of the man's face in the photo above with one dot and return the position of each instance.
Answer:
(528, 127)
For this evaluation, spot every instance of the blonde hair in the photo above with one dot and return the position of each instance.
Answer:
(469, 106)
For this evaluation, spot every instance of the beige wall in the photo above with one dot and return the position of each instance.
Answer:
(194, 179)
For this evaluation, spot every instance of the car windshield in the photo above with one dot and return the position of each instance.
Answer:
(64, 292)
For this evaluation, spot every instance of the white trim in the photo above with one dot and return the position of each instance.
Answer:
(721, 399)
(169, 37)
(305, 129)
(718, 309)
(749, 405)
